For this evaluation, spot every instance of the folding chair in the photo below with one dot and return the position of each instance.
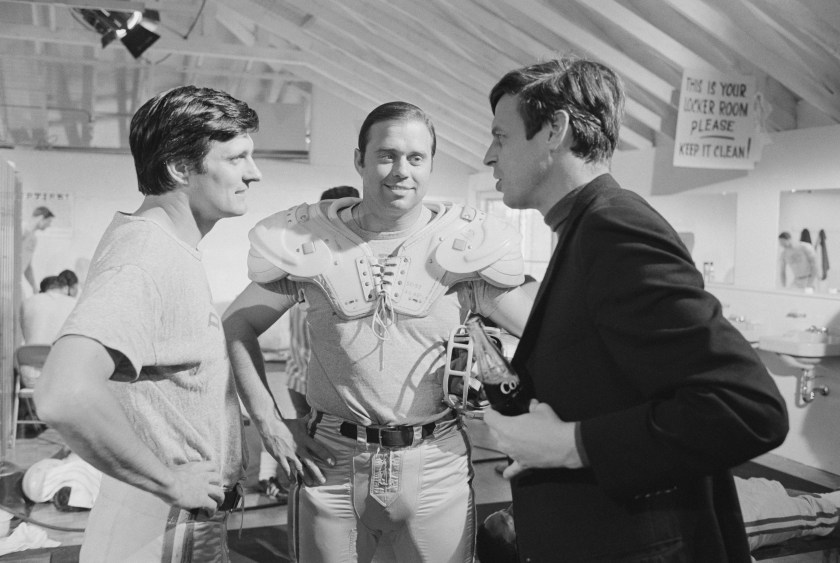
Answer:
(26, 356)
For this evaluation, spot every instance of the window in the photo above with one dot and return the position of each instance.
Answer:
(537, 239)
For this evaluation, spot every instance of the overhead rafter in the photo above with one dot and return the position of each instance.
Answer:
(387, 49)
(111, 5)
(348, 69)
(545, 16)
(539, 50)
(764, 54)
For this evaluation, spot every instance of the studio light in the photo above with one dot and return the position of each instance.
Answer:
(136, 30)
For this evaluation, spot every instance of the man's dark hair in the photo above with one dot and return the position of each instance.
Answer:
(178, 126)
(394, 111)
(339, 192)
(785, 235)
(51, 282)
(42, 211)
(591, 93)
(69, 278)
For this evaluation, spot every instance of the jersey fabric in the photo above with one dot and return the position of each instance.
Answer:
(299, 348)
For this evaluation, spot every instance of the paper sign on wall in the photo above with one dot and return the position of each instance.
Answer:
(718, 122)
(61, 205)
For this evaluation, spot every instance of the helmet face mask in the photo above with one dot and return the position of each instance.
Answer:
(462, 387)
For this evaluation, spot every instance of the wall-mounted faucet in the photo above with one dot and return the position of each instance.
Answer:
(807, 389)
(817, 329)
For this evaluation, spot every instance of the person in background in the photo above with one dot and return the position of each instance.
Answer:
(71, 280)
(644, 395)
(296, 365)
(42, 314)
(139, 382)
(40, 220)
(380, 457)
(41, 318)
(800, 258)
(772, 515)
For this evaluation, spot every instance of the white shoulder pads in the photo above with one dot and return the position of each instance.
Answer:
(299, 242)
(485, 245)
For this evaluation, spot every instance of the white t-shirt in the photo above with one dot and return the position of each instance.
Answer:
(147, 297)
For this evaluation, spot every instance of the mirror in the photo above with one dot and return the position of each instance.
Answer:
(810, 215)
(706, 223)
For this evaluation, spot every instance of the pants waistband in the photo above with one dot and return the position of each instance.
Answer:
(386, 436)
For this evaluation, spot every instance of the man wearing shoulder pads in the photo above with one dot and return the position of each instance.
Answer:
(386, 277)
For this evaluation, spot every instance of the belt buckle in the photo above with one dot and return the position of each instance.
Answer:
(399, 437)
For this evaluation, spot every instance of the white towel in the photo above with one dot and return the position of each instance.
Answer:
(26, 536)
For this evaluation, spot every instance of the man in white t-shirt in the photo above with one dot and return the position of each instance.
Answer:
(139, 383)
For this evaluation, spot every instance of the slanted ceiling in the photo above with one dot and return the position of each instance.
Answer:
(443, 55)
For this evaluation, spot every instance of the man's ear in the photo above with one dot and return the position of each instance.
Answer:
(559, 129)
(358, 161)
(179, 171)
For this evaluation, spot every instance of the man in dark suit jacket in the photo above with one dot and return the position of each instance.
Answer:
(645, 394)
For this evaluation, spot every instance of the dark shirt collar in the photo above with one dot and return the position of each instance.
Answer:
(558, 214)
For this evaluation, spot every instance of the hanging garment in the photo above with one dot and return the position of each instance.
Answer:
(823, 253)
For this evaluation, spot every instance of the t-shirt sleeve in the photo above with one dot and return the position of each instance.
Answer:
(121, 309)
(482, 297)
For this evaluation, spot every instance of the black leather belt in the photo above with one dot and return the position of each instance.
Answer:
(232, 497)
(388, 436)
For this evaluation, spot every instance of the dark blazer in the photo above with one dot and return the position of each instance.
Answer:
(624, 339)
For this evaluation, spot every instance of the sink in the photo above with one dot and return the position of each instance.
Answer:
(750, 331)
(803, 350)
(807, 347)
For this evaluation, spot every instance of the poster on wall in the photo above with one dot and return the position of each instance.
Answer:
(60, 203)
(719, 122)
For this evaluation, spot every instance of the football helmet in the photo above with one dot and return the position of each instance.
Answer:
(461, 386)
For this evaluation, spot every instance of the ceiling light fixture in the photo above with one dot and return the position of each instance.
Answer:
(136, 30)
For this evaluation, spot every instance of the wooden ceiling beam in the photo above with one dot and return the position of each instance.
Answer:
(763, 55)
(634, 139)
(805, 35)
(387, 49)
(476, 48)
(509, 48)
(194, 46)
(643, 31)
(99, 65)
(547, 18)
(471, 157)
(110, 5)
(395, 24)
(540, 50)
(360, 75)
